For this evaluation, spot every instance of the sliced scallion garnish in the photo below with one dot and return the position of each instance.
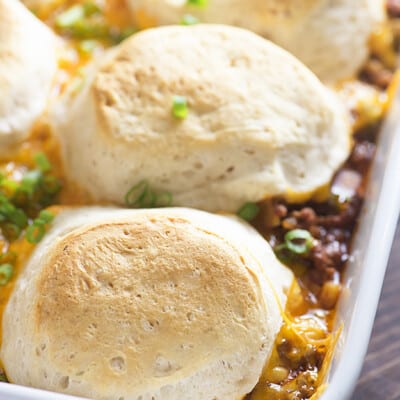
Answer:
(189, 19)
(179, 107)
(70, 17)
(21, 201)
(81, 22)
(248, 211)
(8, 186)
(51, 185)
(45, 216)
(11, 213)
(87, 46)
(91, 8)
(42, 162)
(35, 232)
(164, 200)
(135, 194)
(142, 196)
(299, 241)
(198, 3)
(6, 273)
(117, 36)
(30, 182)
(11, 231)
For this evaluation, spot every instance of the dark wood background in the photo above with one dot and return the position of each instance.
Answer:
(380, 378)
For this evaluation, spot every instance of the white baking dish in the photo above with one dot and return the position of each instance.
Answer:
(365, 272)
(363, 279)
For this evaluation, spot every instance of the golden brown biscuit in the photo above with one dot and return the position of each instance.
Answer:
(259, 123)
(27, 67)
(145, 304)
(329, 36)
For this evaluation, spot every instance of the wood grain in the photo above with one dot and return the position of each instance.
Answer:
(380, 378)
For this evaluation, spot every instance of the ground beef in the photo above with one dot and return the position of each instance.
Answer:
(331, 223)
(376, 73)
(331, 230)
(362, 155)
(393, 8)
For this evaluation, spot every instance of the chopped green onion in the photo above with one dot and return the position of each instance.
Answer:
(91, 9)
(148, 200)
(51, 185)
(18, 217)
(88, 46)
(22, 200)
(164, 200)
(35, 232)
(8, 185)
(30, 182)
(13, 214)
(198, 3)
(140, 195)
(42, 162)
(136, 193)
(118, 36)
(189, 19)
(299, 241)
(70, 17)
(75, 14)
(45, 216)
(86, 29)
(77, 21)
(180, 108)
(10, 231)
(6, 273)
(248, 211)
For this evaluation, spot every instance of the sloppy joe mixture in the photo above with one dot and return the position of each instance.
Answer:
(313, 238)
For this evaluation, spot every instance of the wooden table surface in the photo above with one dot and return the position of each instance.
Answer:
(380, 378)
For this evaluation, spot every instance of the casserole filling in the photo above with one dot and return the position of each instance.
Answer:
(313, 238)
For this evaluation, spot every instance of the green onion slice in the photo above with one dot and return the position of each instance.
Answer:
(136, 193)
(148, 199)
(51, 185)
(299, 241)
(142, 196)
(117, 36)
(188, 20)
(10, 231)
(6, 273)
(164, 200)
(87, 29)
(42, 162)
(45, 216)
(248, 211)
(180, 108)
(12, 214)
(30, 182)
(8, 185)
(198, 3)
(35, 232)
(91, 8)
(70, 17)
(88, 46)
